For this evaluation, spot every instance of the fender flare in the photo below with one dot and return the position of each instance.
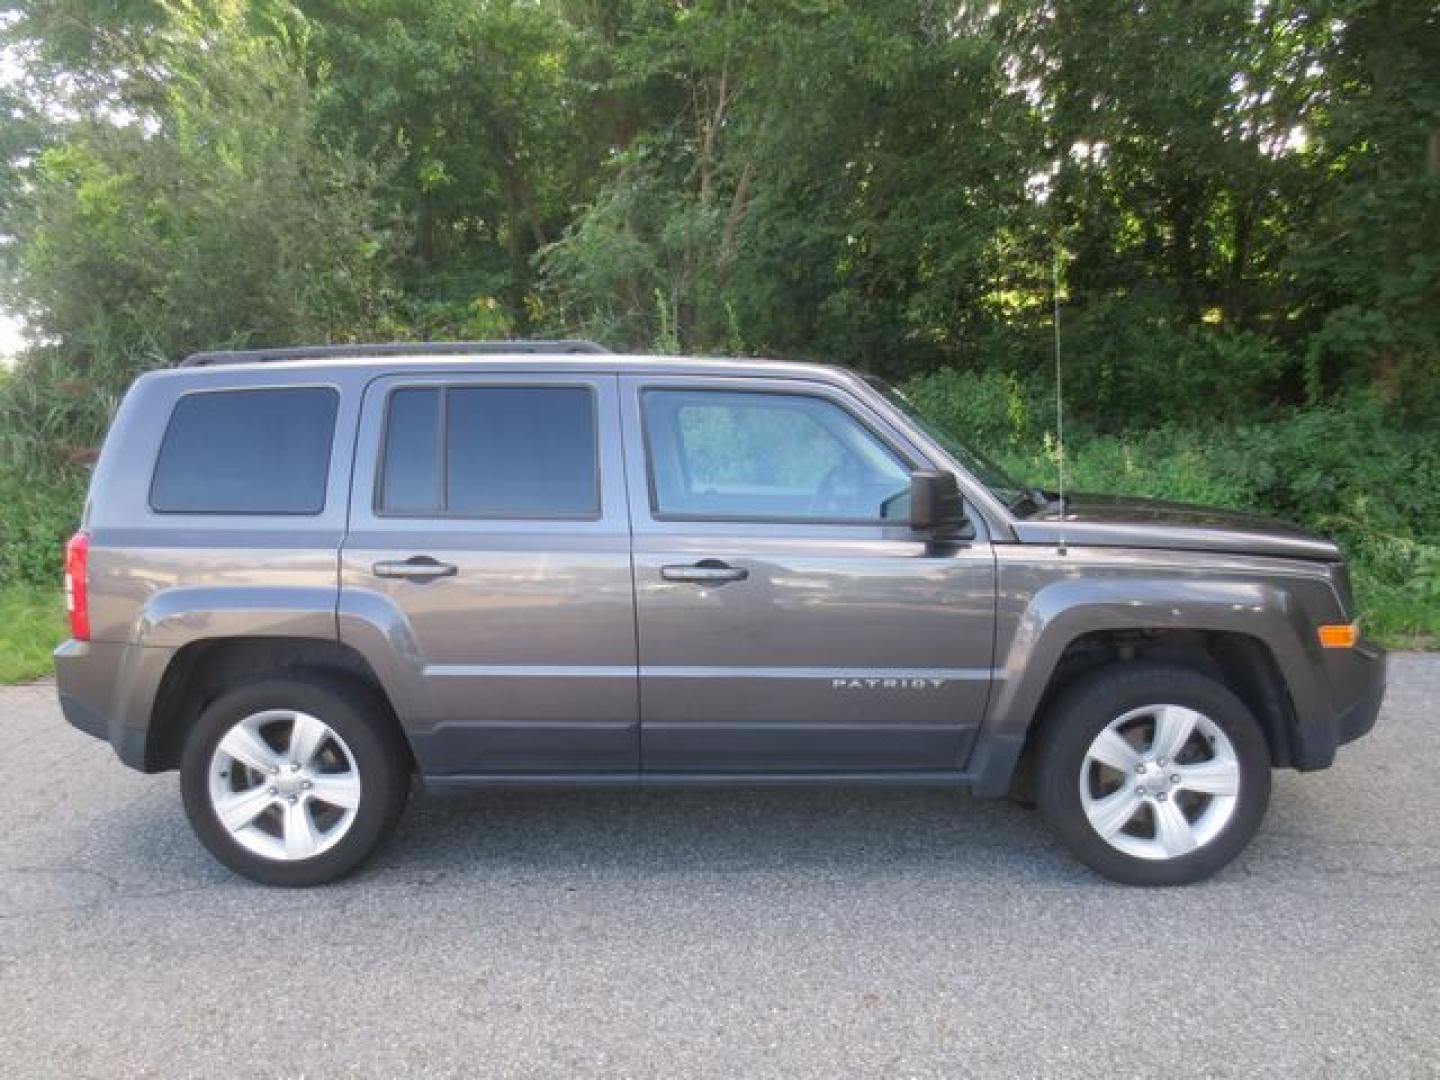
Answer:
(174, 618)
(1066, 610)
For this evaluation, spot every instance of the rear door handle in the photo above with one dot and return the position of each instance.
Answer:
(705, 572)
(417, 568)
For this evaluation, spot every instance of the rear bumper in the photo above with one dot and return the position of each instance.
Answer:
(107, 690)
(1357, 688)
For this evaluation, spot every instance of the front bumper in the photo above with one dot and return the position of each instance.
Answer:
(1356, 679)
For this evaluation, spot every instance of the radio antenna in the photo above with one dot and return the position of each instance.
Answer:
(1059, 401)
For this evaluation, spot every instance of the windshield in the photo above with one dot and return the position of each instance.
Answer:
(1001, 484)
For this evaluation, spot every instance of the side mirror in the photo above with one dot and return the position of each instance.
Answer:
(935, 503)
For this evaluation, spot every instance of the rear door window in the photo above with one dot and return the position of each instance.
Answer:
(491, 452)
(246, 452)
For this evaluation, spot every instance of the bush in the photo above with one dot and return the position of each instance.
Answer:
(1333, 469)
(990, 410)
(38, 519)
(1135, 362)
(51, 424)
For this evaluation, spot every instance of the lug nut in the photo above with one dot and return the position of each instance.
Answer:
(1140, 769)
(1140, 791)
(1161, 763)
(307, 785)
(273, 791)
(1161, 796)
(1174, 778)
(294, 766)
(291, 800)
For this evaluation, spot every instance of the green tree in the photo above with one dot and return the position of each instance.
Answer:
(1367, 267)
(474, 109)
(191, 204)
(817, 179)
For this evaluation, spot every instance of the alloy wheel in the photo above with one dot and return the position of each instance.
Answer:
(1160, 782)
(284, 785)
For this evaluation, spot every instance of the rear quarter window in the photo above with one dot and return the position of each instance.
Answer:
(246, 452)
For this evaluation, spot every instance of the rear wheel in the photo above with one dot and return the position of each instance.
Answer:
(293, 781)
(1153, 774)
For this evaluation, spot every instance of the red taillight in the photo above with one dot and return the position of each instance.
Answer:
(77, 600)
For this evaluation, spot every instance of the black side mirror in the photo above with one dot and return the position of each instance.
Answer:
(935, 503)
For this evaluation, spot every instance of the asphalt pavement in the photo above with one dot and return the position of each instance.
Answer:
(694, 934)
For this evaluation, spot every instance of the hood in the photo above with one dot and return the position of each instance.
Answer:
(1114, 521)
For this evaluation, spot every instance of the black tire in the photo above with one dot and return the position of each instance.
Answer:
(1087, 708)
(380, 755)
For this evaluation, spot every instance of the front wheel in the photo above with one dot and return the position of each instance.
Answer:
(293, 781)
(1152, 774)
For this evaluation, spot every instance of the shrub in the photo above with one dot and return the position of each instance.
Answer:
(1347, 470)
(1134, 362)
(37, 520)
(987, 410)
(51, 422)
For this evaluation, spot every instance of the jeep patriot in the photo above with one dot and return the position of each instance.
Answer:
(305, 576)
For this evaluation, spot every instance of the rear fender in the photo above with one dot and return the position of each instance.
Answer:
(120, 681)
(174, 618)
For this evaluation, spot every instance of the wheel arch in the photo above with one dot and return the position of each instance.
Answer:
(1242, 633)
(1241, 662)
(202, 669)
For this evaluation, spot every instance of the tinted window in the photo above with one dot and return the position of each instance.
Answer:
(412, 452)
(753, 455)
(509, 452)
(246, 452)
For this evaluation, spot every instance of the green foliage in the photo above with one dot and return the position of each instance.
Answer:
(1331, 468)
(198, 209)
(1243, 193)
(31, 625)
(990, 409)
(1366, 271)
(1131, 362)
(50, 420)
(631, 271)
(39, 517)
(474, 108)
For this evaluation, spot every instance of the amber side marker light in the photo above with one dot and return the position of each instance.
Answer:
(1340, 636)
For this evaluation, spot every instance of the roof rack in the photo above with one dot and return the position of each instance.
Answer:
(397, 348)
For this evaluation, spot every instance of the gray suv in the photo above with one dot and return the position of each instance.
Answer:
(306, 575)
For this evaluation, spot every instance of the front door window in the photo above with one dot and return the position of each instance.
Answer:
(722, 455)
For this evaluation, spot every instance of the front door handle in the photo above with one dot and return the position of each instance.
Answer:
(705, 572)
(417, 568)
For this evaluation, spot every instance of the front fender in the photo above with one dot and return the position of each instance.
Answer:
(1063, 611)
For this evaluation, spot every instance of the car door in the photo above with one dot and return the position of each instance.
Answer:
(488, 562)
(789, 619)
